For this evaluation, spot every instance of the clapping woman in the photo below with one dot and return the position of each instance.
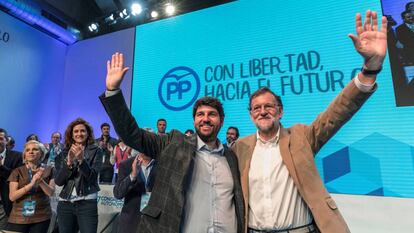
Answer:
(77, 171)
(31, 185)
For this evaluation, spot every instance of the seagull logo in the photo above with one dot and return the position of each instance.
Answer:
(179, 88)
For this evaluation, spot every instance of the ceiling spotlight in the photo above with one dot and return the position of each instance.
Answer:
(123, 14)
(136, 9)
(154, 14)
(93, 27)
(169, 9)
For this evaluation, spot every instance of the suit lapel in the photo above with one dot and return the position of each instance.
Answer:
(245, 156)
(286, 155)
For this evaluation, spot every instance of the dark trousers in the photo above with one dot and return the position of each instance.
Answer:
(78, 215)
(39, 227)
(106, 174)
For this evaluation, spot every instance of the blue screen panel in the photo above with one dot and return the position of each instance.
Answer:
(302, 51)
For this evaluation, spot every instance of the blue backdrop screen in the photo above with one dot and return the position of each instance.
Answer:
(299, 49)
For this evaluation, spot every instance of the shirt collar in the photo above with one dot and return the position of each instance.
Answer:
(275, 139)
(3, 154)
(203, 146)
(410, 26)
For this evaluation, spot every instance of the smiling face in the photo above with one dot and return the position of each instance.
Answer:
(207, 123)
(265, 112)
(231, 135)
(79, 134)
(32, 153)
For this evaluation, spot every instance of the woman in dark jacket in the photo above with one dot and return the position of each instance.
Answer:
(77, 171)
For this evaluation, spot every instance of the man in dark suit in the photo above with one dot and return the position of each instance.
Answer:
(136, 178)
(197, 187)
(9, 160)
(405, 34)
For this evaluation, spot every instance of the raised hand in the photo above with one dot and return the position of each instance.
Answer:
(115, 71)
(135, 164)
(370, 42)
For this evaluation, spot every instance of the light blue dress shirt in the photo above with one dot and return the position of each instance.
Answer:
(209, 201)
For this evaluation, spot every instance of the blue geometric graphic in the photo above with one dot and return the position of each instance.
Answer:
(336, 165)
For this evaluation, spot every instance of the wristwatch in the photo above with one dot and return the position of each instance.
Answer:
(370, 72)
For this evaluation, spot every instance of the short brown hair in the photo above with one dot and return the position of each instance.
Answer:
(69, 130)
(211, 102)
(262, 91)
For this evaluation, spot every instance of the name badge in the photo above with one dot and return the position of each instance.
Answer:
(29, 208)
(144, 200)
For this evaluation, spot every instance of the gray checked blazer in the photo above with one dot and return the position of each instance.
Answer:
(175, 154)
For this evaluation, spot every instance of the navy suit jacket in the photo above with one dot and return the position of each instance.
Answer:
(131, 191)
(13, 160)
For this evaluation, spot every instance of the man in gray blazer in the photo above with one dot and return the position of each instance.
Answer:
(197, 188)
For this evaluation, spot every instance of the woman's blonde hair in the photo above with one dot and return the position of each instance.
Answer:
(41, 147)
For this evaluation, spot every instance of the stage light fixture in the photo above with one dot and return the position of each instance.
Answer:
(154, 14)
(93, 27)
(169, 9)
(136, 9)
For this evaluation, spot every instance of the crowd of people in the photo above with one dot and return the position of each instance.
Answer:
(190, 183)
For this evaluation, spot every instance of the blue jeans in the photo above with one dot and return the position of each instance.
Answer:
(78, 215)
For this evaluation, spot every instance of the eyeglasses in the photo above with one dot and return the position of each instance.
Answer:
(267, 107)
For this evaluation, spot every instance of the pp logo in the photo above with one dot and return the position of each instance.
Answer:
(179, 88)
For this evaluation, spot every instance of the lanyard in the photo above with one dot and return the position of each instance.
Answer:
(33, 190)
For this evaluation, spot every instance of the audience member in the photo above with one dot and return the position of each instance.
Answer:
(197, 188)
(32, 137)
(232, 135)
(9, 160)
(55, 147)
(31, 185)
(405, 35)
(77, 170)
(161, 126)
(189, 132)
(107, 143)
(120, 153)
(282, 189)
(136, 179)
(10, 143)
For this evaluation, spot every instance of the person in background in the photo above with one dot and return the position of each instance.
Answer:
(31, 185)
(32, 137)
(232, 135)
(135, 182)
(120, 153)
(77, 169)
(107, 144)
(55, 147)
(161, 126)
(10, 142)
(189, 132)
(405, 35)
(9, 160)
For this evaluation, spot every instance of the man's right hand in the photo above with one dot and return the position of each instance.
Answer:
(135, 165)
(115, 71)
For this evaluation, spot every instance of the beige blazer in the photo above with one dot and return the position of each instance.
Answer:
(298, 146)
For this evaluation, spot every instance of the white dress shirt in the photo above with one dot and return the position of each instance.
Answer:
(274, 200)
